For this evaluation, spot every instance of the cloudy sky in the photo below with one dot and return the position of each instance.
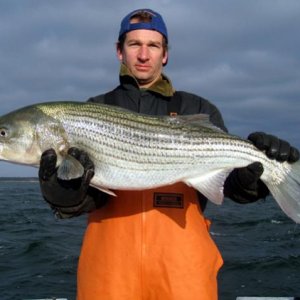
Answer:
(242, 55)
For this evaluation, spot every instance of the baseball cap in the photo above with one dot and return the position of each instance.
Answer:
(156, 23)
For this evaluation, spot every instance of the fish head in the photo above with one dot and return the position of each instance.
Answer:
(26, 133)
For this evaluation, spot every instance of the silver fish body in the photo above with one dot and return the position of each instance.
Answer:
(134, 151)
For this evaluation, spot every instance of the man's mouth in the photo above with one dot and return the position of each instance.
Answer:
(142, 68)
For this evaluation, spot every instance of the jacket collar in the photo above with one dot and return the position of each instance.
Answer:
(162, 86)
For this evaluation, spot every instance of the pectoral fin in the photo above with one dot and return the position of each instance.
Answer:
(211, 185)
(70, 168)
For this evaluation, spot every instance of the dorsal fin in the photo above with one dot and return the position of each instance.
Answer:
(195, 120)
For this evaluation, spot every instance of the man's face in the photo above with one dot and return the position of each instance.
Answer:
(144, 56)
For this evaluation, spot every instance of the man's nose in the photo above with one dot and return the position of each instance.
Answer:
(143, 54)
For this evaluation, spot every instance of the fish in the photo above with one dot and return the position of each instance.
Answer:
(133, 151)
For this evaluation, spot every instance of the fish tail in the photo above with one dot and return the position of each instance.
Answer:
(287, 193)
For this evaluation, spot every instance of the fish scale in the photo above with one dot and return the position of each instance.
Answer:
(134, 151)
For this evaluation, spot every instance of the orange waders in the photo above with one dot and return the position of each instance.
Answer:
(148, 245)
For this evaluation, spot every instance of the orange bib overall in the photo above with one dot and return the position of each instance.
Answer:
(146, 245)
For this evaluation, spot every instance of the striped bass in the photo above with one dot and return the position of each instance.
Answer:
(134, 151)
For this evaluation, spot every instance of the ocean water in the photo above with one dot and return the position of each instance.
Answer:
(38, 253)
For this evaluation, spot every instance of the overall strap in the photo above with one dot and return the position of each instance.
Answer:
(174, 104)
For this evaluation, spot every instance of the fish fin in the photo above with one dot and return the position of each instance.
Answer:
(103, 189)
(211, 185)
(70, 168)
(196, 120)
(287, 193)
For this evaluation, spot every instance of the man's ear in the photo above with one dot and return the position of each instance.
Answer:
(165, 58)
(119, 52)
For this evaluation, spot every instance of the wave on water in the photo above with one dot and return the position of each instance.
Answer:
(19, 179)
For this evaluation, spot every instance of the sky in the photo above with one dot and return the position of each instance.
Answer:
(243, 56)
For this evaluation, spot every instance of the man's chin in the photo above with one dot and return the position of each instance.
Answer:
(143, 80)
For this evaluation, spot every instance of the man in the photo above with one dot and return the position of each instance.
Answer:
(151, 244)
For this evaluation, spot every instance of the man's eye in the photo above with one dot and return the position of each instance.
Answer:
(133, 45)
(155, 46)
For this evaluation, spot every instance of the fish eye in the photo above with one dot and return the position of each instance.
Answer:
(3, 132)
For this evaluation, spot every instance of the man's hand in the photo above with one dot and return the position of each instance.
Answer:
(243, 185)
(274, 147)
(69, 198)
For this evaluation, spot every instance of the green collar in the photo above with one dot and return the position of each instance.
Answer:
(162, 86)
